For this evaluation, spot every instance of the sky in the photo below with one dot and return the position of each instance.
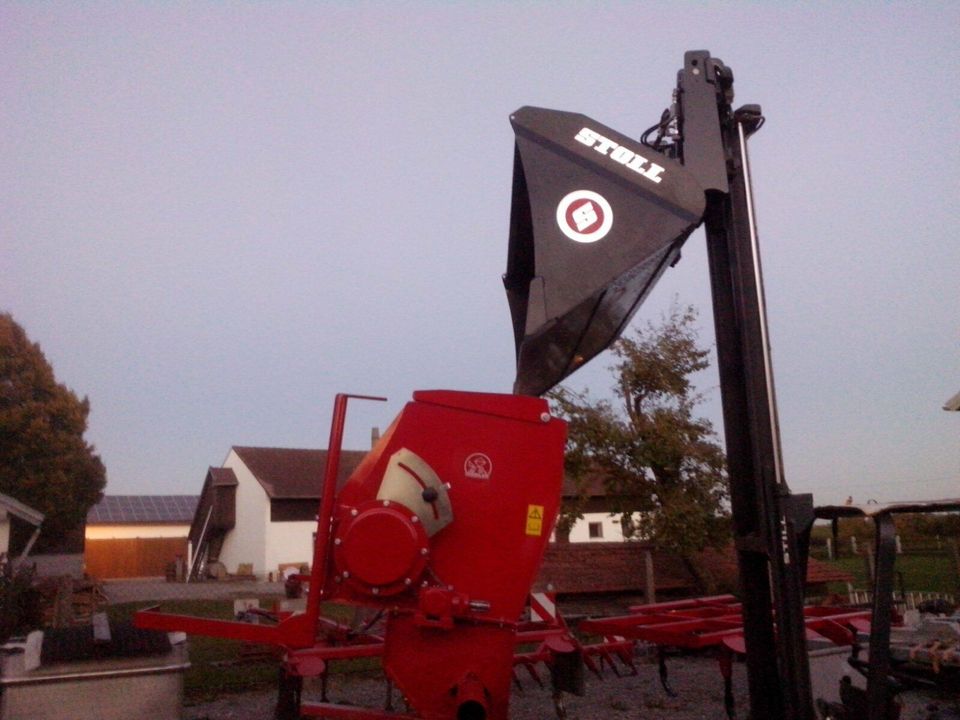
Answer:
(216, 216)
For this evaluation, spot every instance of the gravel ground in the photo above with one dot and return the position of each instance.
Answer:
(640, 697)
(697, 680)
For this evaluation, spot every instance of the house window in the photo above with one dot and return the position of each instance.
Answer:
(596, 530)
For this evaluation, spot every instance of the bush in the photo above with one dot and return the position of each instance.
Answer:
(19, 601)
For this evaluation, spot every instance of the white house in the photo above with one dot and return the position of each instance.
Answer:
(598, 524)
(257, 512)
(597, 527)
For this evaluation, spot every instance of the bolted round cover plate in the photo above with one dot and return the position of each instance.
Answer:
(380, 548)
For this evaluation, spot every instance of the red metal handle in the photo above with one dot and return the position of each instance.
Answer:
(321, 549)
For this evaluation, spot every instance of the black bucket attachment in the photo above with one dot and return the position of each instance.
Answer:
(596, 219)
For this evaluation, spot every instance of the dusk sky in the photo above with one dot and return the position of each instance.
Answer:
(215, 216)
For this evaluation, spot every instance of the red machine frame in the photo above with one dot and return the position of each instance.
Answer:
(441, 528)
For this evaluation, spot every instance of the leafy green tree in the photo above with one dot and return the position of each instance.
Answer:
(44, 460)
(660, 465)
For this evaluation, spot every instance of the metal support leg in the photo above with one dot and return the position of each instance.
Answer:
(289, 688)
(726, 670)
(662, 666)
(878, 683)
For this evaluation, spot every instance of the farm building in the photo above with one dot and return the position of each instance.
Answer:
(598, 524)
(257, 513)
(137, 535)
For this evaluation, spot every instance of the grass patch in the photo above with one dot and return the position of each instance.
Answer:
(921, 573)
(214, 669)
(205, 680)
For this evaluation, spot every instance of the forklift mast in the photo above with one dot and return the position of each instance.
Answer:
(770, 524)
(596, 218)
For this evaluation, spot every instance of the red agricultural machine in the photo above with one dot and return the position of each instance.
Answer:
(442, 528)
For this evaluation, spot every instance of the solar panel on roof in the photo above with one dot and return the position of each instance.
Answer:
(144, 508)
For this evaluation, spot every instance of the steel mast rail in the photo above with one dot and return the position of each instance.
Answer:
(770, 523)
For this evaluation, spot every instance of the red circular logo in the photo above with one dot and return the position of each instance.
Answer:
(584, 216)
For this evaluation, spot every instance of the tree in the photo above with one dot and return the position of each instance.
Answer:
(44, 460)
(661, 467)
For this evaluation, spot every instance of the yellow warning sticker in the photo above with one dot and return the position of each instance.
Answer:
(535, 520)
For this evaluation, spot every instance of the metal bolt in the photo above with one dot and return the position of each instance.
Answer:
(346, 573)
(337, 541)
(375, 591)
(414, 519)
(386, 503)
(354, 512)
(545, 417)
(423, 551)
(407, 581)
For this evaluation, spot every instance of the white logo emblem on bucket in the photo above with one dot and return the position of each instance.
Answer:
(584, 216)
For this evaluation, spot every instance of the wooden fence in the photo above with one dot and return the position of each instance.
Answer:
(132, 557)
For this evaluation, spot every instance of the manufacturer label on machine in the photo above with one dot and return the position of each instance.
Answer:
(535, 520)
(584, 216)
(618, 153)
(478, 466)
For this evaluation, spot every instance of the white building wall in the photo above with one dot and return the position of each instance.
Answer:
(113, 532)
(289, 542)
(611, 529)
(246, 543)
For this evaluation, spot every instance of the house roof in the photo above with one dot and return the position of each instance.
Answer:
(222, 477)
(590, 486)
(156, 509)
(292, 473)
